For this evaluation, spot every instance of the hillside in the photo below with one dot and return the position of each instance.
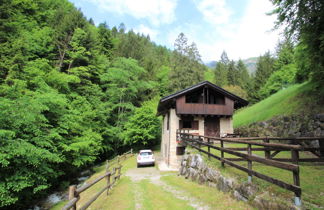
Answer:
(295, 99)
(250, 64)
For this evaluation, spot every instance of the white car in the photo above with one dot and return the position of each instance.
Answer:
(145, 157)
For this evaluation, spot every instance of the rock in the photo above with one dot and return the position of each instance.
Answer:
(320, 117)
(286, 119)
(201, 179)
(199, 161)
(223, 184)
(211, 175)
(212, 184)
(193, 162)
(322, 125)
(247, 190)
(239, 197)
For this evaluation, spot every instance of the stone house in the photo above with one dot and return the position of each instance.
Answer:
(203, 109)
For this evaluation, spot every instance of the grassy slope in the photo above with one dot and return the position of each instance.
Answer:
(293, 99)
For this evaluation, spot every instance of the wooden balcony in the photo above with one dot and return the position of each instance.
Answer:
(204, 109)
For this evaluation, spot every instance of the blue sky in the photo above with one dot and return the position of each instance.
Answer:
(240, 27)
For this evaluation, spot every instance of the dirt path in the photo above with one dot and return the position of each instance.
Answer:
(154, 176)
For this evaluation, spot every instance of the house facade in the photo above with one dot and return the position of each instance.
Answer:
(203, 109)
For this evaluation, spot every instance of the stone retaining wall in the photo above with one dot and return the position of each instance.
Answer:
(283, 126)
(194, 167)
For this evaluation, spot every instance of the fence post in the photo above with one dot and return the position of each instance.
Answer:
(266, 152)
(118, 159)
(208, 140)
(131, 151)
(222, 153)
(72, 195)
(108, 176)
(249, 163)
(294, 157)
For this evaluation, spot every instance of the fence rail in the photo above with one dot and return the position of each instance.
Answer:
(197, 141)
(111, 177)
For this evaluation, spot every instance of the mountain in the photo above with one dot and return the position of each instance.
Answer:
(211, 64)
(250, 63)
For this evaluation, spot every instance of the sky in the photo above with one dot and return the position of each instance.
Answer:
(240, 27)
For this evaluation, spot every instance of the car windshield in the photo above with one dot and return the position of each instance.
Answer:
(146, 153)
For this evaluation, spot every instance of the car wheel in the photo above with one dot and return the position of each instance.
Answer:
(138, 165)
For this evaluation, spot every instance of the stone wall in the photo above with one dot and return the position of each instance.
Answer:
(194, 167)
(284, 126)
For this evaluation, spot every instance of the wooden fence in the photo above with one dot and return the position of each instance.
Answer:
(111, 178)
(296, 145)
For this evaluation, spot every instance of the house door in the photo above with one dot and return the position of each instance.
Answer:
(212, 127)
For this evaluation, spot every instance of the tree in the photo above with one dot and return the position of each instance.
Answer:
(279, 80)
(186, 64)
(263, 70)
(304, 20)
(221, 74)
(237, 90)
(232, 74)
(243, 79)
(143, 128)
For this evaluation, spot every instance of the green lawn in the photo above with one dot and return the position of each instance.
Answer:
(311, 177)
(293, 99)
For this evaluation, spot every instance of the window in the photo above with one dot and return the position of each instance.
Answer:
(188, 123)
(215, 98)
(195, 97)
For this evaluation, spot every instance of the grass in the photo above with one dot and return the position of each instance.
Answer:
(311, 177)
(154, 197)
(126, 193)
(213, 198)
(294, 99)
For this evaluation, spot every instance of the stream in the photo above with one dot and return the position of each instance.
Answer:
(58, 196)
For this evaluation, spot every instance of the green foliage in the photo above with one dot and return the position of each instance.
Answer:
(237, 90)
(304, 20)
(279, 80)
(187, 69)
(143, 127)
(209, 75)
(265, 67)
(221, 74)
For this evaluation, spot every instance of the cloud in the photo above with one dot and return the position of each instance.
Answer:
(142, 29)
(214, 11)
(249, 36)
(156, 11)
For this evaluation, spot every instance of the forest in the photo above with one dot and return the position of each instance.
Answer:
(74, 93)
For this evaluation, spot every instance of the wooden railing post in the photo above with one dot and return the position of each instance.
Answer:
(108, 176)
(249, 163)
(208, 140)
(72, 194)
(266, 152)
(222, 152)
(294, 157)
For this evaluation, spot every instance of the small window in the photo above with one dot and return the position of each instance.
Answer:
(187, 124)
